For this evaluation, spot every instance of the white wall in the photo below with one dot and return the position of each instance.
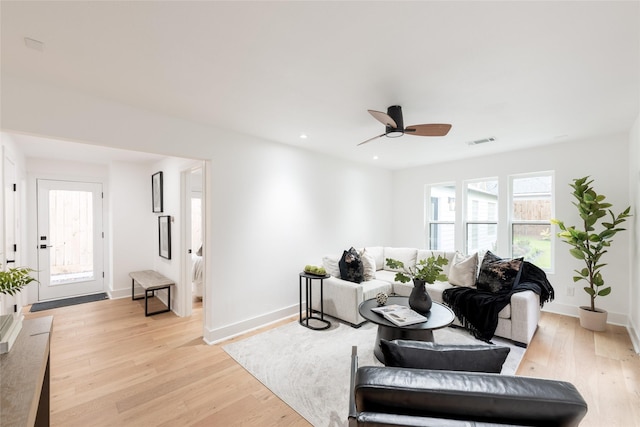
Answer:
(604, 159)
(271, 208)
(634, 253)
(10, 150)
(133, 238)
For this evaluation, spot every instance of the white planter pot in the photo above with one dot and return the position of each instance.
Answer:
(593, 320)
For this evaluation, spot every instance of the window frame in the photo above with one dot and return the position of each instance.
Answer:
(466, 222)
(513, 222)
(429, 211)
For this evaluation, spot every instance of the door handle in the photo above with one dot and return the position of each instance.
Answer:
(45, 246)
(10, 261)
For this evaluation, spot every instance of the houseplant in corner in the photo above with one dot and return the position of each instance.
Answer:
(426, 271)
(589, 242)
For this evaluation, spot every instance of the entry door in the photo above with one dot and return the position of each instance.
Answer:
(70, 239)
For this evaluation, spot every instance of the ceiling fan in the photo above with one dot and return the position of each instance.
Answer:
(392, 119)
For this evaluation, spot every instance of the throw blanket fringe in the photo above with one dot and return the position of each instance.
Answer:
(478, 310)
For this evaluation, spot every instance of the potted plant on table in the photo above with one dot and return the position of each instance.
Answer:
(589, 242)
(426, 271)
(14, 279)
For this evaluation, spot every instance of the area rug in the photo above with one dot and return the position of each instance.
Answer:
(310, 370)
(48, 305)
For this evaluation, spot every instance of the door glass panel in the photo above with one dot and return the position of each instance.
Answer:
(71, 236)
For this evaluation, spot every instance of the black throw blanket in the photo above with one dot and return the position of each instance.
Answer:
(478, 310)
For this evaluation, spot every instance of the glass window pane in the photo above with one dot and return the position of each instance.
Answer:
(71, 236)
(533, 242)
(443, 202)
(532, 198)
(442, 237)
(482, 200)
(481, 237)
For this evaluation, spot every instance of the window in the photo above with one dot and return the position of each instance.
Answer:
(531, 211)
(481, 220)
(441, 214)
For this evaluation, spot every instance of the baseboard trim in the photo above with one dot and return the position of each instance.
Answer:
(635, 339)
(214, 336)
(572, 311)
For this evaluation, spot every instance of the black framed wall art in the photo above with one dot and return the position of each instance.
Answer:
(156, 192)
(164, 236)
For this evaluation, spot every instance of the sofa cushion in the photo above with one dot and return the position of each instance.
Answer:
(474, 398)
(368, 265)
(371, 288)
(351, 266)
(378, 255)
(427, 253)
(463, 270)
(406, 255)
(331, 265)
(429, 355)
(498, 274)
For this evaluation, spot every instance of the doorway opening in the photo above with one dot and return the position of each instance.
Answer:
(193, 205)
(70, 238)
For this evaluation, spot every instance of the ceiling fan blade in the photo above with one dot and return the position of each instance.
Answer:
(383, 118)
(371, 139)
(435, 129)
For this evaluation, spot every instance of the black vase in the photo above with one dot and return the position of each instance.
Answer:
(419, 300)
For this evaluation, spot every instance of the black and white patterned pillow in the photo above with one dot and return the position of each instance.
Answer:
(498, 274)
(351, 268)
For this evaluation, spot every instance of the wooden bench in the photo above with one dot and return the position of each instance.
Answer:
(151, 281)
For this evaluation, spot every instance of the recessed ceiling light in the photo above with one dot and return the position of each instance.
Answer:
(375, 157)
(303, 136)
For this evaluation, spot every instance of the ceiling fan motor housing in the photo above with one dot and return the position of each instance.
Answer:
(395, 112)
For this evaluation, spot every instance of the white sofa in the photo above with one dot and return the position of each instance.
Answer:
(517, 321)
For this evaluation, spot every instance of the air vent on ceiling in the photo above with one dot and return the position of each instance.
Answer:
(481, 141)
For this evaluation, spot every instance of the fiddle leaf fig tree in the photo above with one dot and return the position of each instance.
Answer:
(590, 239)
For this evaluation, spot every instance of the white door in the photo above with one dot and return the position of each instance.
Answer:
(70, 239)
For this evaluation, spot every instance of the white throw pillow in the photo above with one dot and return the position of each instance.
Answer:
(463, 270)
(330, 263)
(368, 265)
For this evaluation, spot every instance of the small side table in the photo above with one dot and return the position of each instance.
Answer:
(309, 278)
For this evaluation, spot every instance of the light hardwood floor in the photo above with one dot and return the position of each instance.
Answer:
(112, 366)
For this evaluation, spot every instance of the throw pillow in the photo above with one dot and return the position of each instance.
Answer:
(368, 265)
(463, 270)
(331, 265)
(351, 266)
(447, 357)
(498, 274)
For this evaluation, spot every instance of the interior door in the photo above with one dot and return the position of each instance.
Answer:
(70, 238)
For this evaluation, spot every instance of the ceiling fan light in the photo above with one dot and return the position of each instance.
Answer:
(394, 133)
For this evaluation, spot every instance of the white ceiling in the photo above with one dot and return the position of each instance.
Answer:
(527, 73)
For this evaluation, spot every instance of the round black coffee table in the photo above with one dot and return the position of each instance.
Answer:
(438, 317)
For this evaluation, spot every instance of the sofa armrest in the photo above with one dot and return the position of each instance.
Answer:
(525, 314)
(341, 299)
(467, 396)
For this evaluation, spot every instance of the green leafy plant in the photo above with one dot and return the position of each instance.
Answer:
(591, 239)
(14, 279)
(428, 270)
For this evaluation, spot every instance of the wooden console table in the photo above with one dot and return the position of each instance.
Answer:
(24, 373)
(151, 281)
